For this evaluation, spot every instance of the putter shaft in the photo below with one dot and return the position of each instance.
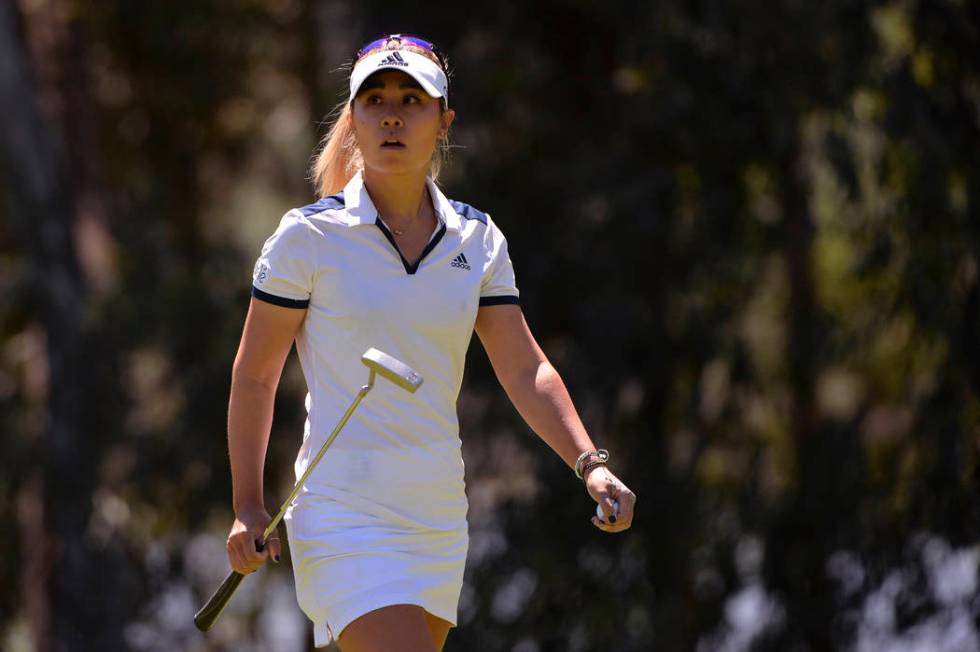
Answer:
(323, 449)
(378, 362)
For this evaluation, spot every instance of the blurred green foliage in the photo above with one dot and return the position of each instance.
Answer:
(745, 233)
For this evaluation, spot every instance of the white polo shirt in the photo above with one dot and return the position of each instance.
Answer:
(399, 455)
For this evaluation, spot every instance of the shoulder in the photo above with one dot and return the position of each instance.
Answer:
(467, 212)
(310, 220)
(327, 210)
(481, 226)
(329, 204)
(477, 218)
(481, 223)
(298, 224)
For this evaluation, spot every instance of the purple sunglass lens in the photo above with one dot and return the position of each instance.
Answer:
(372, 45)
(422, 43)
(425, 45)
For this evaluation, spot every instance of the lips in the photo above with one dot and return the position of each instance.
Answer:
(392, 144)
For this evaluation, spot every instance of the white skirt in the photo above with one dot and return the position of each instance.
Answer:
(352, 556)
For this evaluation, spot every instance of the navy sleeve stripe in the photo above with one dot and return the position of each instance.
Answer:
(499, 301)
(279, 301)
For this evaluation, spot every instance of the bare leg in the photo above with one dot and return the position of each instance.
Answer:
(438, 628)
(397, 628)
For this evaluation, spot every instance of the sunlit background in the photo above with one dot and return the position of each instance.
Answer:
(745, 233)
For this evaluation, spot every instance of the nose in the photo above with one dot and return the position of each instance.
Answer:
(391, 120)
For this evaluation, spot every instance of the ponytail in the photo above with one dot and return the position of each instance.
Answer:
(339, 158)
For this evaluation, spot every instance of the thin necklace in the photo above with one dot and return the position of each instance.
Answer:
(425, 194)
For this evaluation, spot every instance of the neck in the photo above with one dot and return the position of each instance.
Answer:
(397, 197)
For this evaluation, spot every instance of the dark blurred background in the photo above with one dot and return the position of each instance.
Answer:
(746, 233)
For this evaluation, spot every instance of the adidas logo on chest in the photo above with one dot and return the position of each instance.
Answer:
(461, 262)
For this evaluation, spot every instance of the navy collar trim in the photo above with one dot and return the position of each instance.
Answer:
(410, 268)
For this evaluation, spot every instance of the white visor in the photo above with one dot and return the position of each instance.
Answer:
(422, 69)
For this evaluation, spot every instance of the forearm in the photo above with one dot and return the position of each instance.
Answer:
(542, 400)
(250, 410)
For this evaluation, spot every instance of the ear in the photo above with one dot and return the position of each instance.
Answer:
(446, 120)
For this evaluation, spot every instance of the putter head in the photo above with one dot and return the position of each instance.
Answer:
(394, 370)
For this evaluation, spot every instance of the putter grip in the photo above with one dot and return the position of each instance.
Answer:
(204, 618)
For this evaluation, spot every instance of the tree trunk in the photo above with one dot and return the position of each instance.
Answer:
(60, 596)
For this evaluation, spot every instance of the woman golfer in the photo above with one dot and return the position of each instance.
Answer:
(378, 533)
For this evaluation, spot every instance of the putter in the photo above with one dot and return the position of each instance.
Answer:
(380, 364)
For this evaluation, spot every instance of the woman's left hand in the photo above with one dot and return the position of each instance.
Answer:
(604, 488)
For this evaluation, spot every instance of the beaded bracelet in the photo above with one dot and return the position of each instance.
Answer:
(591, 465)
(601, 457)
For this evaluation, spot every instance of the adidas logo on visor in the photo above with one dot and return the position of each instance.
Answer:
(393, 59)
(461, 262)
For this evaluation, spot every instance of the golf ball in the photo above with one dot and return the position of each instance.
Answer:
(598, 510)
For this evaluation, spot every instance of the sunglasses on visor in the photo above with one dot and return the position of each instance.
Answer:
(400, 38)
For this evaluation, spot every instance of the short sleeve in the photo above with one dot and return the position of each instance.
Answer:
(498, 285)
(283, 274)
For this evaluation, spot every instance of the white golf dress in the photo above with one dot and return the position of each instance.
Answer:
(382, 518)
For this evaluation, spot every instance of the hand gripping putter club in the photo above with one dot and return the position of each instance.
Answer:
(380, 364)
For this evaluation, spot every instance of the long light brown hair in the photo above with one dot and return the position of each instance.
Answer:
(338, 157)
